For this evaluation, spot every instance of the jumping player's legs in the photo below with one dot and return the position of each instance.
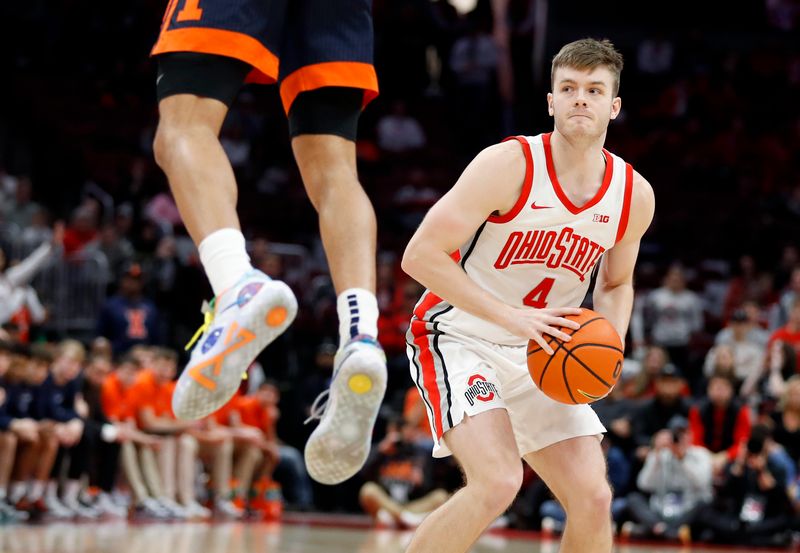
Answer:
(323, 100)
(204, 56)
(575, 471)
(485, 448)
(323, 123)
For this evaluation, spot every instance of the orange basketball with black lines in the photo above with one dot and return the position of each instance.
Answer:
(582, 370)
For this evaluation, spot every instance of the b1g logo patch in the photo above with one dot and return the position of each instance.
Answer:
(480, 389)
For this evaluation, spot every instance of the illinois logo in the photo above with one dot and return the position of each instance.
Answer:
(480, 389)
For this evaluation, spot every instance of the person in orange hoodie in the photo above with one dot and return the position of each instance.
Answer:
(255, 450)
(138, 457)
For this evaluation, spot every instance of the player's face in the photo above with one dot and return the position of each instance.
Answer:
(583, 102)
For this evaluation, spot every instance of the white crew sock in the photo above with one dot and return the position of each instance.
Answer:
(71, 490)
(358, 314)
(224, 257)
(18, 490)
(36, 490)
(51, 492)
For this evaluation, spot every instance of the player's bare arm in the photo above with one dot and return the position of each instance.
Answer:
(490, 184)
(613, 292)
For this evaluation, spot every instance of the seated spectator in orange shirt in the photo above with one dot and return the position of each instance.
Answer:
(118, 402)
(154, 417)
(254, 448)
(399, 489)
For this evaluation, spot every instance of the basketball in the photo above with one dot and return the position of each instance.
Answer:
(582, 370)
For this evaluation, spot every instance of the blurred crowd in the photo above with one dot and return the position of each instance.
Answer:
(704, 426)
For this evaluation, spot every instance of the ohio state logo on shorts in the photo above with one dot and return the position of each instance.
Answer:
(480, 389)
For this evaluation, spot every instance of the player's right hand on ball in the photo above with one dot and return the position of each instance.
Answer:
(533, 324)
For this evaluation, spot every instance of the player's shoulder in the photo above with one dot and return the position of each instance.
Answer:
(642, 208)
(502, 152)
(642, 192)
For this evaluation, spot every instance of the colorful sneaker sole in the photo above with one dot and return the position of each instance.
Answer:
(339, 446)
(211, 381)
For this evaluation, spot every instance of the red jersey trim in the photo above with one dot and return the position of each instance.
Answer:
(527, 184)
(551, 172)
(626, 203)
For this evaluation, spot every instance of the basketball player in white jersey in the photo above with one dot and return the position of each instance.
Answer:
(505, 255)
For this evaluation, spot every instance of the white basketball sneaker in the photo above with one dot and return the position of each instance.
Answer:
(239, 324)
(339, 446)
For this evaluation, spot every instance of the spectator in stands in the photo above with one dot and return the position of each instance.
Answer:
(781, 365)
(655, 413)
(128, 318)
(786, 420)
(15, 292)
(790, 332)
(675, 314)
(399, 490)
(398, 132)
(748, 328)
(747, 356)
(251, 422)
(117, 249)
(82, 229)
(654, 360)
(474, 60)
(787, 299)
(58, 401)
(37, 445)
(678, 478)
(291, 469)
(21, 209)
(720, 422)
(138, 459)
(150, 397)
(752, 506)
(103, 436)
(12, 430)
(37, 233)
(617, 412)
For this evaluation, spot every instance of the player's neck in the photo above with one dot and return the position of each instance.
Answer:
(579, 164)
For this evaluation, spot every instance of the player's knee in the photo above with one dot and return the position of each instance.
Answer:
(324, 183)
(500, 487)
(593, 506)
(166, 142)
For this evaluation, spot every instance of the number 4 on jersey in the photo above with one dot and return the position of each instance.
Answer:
(538, 296)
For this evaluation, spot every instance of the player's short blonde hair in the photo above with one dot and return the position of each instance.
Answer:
(586, 54)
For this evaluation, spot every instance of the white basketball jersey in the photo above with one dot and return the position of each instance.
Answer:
(542, 252)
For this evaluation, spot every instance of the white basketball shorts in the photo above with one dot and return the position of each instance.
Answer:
(458, 375)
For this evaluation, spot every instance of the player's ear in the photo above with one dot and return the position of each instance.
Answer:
(616, 106)
(550, 104)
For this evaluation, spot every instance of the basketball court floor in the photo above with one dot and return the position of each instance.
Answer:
(298, 535)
